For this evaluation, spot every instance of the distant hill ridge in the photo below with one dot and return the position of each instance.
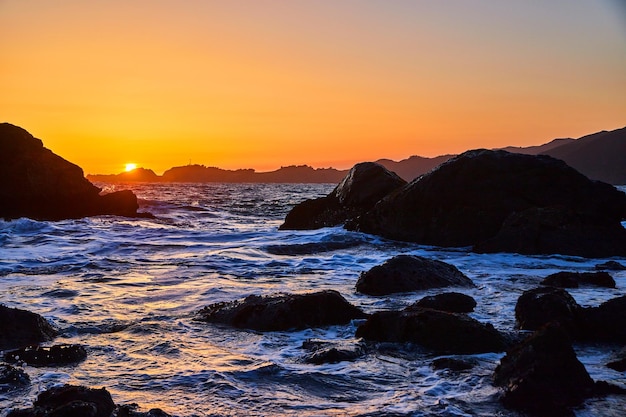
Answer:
(600, 156)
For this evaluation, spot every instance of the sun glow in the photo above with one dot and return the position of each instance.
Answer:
(130, 167)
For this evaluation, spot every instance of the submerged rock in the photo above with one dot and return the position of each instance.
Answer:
(611, 266)
(36, 183)
(57, 355)
(12, 378)
(438, 331)
(498, 201)
(69, 400)
(453, 364)
(410, 273)
(567, 279)
(452, 302)
(19, 328)
(543, 376)
(324, 351)
(283, 312)
(364, 185)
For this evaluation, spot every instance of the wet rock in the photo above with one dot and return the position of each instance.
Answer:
(364, 185)
(607, 322)
(130, 410)
(58, 355)
(410, 273)
(548, 207)
(312, 248)
(12, 378)
(542, 376)
(323, 351)
(36, 183)
(611, 266)
(19, 328)
(543, 305)
(69, 401)
(453, 364)
(567, 279)
(438, 331)
(452, 302)
(283, 312)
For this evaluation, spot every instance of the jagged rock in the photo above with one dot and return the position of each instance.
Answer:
(439, 331)
(323, 351)
(12, 378)
(57, 355)
(283, 312)
(548, 207)
(364, 185)
(540, 306)
(69, 401)
(410, 273)
(36, 183)
(566, 279)
(543, 376)
(19, 328)
(452, 302)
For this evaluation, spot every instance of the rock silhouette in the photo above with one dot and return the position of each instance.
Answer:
(21, 328)
(36, 183)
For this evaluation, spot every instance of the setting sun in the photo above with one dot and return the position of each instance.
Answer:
(130, 167)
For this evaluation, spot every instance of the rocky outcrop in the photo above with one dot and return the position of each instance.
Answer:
(12, 378)
(607, 322)
(410, 273)
(69, 400)
(438, 331)
(498, 201)
(540, 306)
(324, 351)
(567, 279)
(20, 328)
(364, 185)
(452, 302)
(542, 376)
(283, 312)
(57, 355)
(36, 183)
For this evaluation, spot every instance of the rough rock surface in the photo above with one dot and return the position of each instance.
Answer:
(545, 206)
(36, 183)
(70, 400)
(20, 328)
(323, 351)
(543, 376)
(57, 355)
(283, 312)
(364, 185)
(438, 331)
(12, 378)
(410, 273)
(566, 279)
(452, 302)
(540, 306)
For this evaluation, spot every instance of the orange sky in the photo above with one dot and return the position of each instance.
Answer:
(261, 84)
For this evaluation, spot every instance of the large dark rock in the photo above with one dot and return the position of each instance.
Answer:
(540, 306)
(438, 331)
(452, 302)
(410, 273)
(546, 204)
(20, 328)
(607, 322)
(70, 401)
(364, 185)
(283, 312)
(36, 183)
(543, 376)
(324, 351)
(58, 355)
(567, 279)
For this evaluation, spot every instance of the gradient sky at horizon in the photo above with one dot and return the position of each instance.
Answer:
(264, 84)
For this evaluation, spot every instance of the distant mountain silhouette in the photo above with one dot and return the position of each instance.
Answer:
(599, 156)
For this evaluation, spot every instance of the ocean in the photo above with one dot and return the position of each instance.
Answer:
(127, 290)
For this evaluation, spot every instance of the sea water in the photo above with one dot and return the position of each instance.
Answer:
(127, 290)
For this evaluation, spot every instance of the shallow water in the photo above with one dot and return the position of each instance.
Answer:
(127, 289)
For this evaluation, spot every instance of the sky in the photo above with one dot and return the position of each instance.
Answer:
(328, 83)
